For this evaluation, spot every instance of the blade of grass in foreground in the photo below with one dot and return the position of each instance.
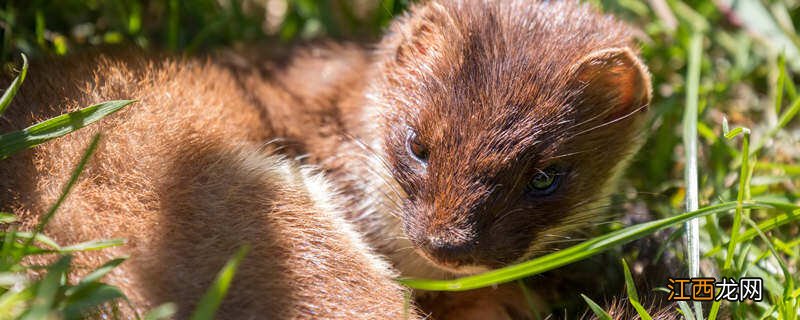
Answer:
(690, 171)
(742, 195)
(56, 127)
(9, 94)
(7, 217)
(766, 225)
(783, 120)
(579, 252)
(596, 309)
(72, 180)
(528, 299)
(633, 296)
(779, 85)
(47, 289)
(164, 311)
(213, 297)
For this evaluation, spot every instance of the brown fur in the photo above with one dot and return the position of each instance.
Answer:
(510, 88)
(182, 176)
(496, 91)
(502, 302)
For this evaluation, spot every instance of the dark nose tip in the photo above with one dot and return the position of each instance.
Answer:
(452, 251)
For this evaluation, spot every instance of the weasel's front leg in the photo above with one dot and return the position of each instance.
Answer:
(506, 301)
(306, 261)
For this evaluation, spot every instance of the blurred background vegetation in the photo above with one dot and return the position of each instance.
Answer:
(749, 66)
(40, 26)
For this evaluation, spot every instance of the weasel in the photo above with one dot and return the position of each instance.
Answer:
(474, 135)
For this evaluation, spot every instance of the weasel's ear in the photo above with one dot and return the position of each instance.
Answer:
(613, 79)
(422, 35)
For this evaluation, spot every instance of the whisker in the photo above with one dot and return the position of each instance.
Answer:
(556, 235)
(506, 214)
(407, 248)
(572, 154)
(612, 121)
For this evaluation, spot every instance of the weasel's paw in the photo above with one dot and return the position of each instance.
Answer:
(504, 302)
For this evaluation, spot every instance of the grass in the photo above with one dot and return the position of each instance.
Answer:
(690, 169)
(582, 251)
(715, 65)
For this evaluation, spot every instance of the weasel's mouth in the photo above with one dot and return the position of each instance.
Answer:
(454, 267)
(467, 270)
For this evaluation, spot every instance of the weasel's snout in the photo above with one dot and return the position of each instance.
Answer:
(449, 250)
(449, 247)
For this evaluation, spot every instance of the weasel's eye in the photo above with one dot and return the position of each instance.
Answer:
(416, 148)
(544, 183)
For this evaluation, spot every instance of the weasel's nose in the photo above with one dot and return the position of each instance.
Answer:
(450, 250)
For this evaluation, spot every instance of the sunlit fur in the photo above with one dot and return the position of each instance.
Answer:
(185, 176)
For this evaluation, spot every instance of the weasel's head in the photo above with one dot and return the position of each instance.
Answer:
(505, 123)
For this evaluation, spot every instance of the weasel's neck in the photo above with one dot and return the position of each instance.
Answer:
(321, 107)
(360, 171)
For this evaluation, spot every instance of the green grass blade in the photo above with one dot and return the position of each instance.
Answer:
(630, 286)
(783, 120)
(173, 24)
(90, 293)
(38, 238)
(768, 313)
(733, 133)
(787, 116)
(47, 289)
(8, 279)
(784, 168)
(769, 224)
(687, 310)
(641, 310)
(686, 14)
(164, 311)
(8, 253)
(12, 89)
(528, 299)
(580, 251)
(780, 83)
(787, 275)
(72, 180)
(100, 272)
(56, 127)
(598, 311)
(89, 298)
(11, 301)
(690, 145)
(93, 245)
(633, 296)
(791, 89)
(744, 183)
(213, 297)
(743, 193)
(7, 217)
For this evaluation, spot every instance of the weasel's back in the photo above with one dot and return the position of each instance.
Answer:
(186, 176)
